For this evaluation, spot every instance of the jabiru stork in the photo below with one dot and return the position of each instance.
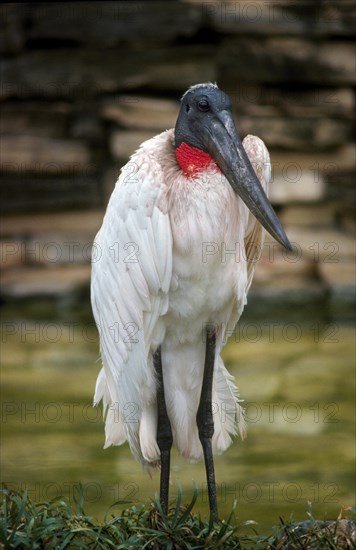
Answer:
(163, 294)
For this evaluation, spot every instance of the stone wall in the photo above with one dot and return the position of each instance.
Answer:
(83, 84)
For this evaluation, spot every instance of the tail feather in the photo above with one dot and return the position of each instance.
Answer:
(114, 426)
(229, 417)
(227, 413)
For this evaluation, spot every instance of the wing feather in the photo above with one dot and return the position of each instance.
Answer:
(129, 291)
(259, 157)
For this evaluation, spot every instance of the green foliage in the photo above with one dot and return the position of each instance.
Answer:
(58, 525)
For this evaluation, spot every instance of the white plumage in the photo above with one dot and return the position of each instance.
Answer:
(173, 255)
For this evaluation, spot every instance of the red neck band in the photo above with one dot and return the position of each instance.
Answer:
(192, 160)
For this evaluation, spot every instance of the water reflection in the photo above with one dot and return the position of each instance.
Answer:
(298, 386)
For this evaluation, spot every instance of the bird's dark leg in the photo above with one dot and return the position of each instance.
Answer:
(205, 421)
(164, 433)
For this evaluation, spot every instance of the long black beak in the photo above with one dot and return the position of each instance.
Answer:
(224, 145)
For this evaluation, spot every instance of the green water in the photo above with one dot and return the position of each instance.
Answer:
(298, 385)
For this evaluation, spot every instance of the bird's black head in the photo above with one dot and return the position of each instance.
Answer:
(198, 106)
(205, 123)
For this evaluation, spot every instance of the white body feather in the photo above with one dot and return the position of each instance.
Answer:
(173, 255)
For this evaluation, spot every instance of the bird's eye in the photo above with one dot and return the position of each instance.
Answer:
(203, 105)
